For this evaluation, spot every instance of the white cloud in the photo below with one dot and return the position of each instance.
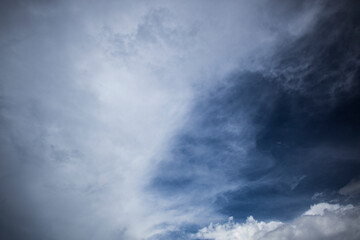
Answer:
(322, 221)
(250, 230)
(321, 208)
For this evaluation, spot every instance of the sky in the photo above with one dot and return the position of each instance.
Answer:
(164, 119)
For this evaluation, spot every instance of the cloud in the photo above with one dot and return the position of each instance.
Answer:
(299, 70)
(352, 188)
(93, 95)
(322, 221)
(321, 208)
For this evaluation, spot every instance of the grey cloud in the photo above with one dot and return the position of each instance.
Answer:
(352, 188)
(93, 95)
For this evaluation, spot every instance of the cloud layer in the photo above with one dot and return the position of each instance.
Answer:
(321, 221)
(134, 119)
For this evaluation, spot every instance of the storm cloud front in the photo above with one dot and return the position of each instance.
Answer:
(154, 120)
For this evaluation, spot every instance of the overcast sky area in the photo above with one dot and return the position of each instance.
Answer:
(192, 120)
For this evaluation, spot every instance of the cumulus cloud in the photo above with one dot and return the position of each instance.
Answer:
(321, 221)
